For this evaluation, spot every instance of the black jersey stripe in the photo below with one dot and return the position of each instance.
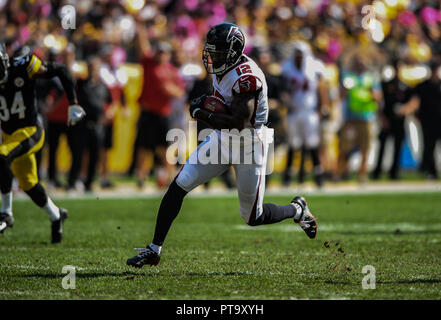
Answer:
(26, 144)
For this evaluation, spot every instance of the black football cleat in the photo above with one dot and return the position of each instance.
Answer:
(146, 256)
(6, 221)
(306, 221)
(57, 227)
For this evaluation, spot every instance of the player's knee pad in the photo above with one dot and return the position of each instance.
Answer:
(249, 214)
(249, 202)
(253, 221)
(255, 218)
(26, 183)
(187, 177)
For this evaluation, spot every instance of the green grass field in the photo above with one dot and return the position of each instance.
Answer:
(211, 253)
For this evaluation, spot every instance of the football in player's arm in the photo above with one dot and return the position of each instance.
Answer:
(241, 112)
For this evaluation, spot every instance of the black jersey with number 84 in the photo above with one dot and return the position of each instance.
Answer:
(18, 105)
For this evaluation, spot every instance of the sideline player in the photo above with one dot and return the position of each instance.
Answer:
(240, 83)
(309, 100)
(23, 134)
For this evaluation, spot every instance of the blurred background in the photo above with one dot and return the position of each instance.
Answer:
(378, 62)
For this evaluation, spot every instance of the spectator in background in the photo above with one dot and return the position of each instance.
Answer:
(395, 93)
(330, 27)
(426, 99)
(56, 113)
(92, 95)
(42, 89)
(131, 170)
(361, 90)
(115, 79)
(178, 118)
(161, 84)
(276, 91)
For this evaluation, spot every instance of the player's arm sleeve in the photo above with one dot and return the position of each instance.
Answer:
(246, 91)
(53, 69)
(33, 66)
(243, 107)
(247, 84)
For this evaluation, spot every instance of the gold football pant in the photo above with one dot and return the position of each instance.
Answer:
(17, 151)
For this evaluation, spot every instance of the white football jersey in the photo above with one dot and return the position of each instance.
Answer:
(303, 83)
(245, 77)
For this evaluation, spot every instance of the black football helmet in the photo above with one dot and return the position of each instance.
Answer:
(223, 48)
(4, 64)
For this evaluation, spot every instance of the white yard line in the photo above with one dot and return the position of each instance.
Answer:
(40, 267)
(129, 192)
(32, 293)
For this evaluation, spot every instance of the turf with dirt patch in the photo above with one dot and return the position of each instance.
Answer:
(212, 254)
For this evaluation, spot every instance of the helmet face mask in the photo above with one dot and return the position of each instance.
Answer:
(4, 65)
(223, 48)
(214, 61)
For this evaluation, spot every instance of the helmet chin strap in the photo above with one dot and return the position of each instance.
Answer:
(224, 67)
(221, 69)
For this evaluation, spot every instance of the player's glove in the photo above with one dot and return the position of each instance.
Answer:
(74, 114)
(196, 105)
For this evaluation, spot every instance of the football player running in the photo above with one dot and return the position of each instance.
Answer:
(23, 134)
(240, 83)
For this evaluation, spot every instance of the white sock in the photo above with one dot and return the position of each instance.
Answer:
(155, 248)
(52, 210)
(7, 203)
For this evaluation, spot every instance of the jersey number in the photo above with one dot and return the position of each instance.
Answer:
(18, 107)
(245, 68)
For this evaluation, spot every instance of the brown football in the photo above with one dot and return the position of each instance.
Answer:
(215, 105)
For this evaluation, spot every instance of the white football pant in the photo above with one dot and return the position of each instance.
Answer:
(249, 158)
(304, 129)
